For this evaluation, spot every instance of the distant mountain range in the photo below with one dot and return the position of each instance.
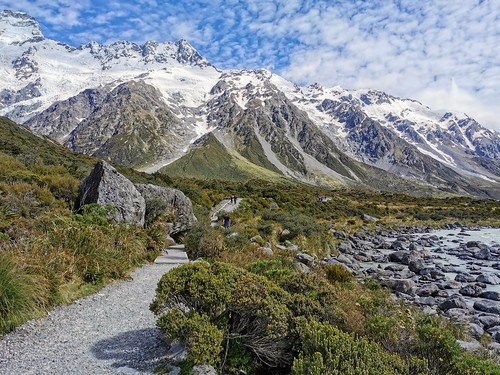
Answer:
(163, 106)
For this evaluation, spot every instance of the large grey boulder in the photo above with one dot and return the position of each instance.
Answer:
(427, 290)
(169, 201)
(105, 186)
(304, 258)
(487, 306)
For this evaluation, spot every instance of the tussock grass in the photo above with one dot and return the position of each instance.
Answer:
(48, 254)
(23, 295)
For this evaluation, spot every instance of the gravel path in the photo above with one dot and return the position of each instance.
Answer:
(111, 332)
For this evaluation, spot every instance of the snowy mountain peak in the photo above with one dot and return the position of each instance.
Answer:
(149, 53)
(187, 54)
(19, 28)
(169, 91)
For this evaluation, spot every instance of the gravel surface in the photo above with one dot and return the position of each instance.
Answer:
(111, 332)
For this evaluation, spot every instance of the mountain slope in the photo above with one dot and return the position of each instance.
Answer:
(146, 106)
(209, 158)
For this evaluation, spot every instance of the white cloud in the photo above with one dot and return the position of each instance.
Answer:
(405, 47)
(457, 100)
(410, 52)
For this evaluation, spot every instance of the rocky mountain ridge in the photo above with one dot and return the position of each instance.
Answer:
(146, 105)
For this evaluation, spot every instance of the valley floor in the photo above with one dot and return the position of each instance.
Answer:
(110, 332)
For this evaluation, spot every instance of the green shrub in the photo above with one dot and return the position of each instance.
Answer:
(337, 273)
(203, 241)
(202, 338)
(381, 328)
(295, 222)
(437, 344)
(327, 350)
(250, 310)
(158, 210)
(272, 269)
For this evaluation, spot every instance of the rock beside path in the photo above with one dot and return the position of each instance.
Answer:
(169, 201)
(107, 187)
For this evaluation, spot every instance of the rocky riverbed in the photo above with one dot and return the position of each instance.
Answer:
(454, 272)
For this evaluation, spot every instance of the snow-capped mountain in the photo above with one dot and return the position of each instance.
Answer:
(148, 105)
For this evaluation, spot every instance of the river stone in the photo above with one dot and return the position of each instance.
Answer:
(458, 314)
(488, 279)
(416, 265)
(487, 306)
(442, 294)
(483, 254)
(428, 301)
(488, 320)
(476, 330)
(448, 269)
(471, 346)
(203, 370)
(432, 274)
(400, 257)
(449, 284)
(344, 259)
(403, 286)
(472, 290)
(472, 244)
(171, 201)
(464, 277)
(427, 290)
(345, 247)
(105, 186)
(397, 245)
(493, 330)
(380, 258)
(304, 258)
(495, 296)
(453, 302)
(395, 267)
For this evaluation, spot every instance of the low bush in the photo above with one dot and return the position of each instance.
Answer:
(327, 350)
(250, 310)
(438, 345)
(203, 241)
(337, 273)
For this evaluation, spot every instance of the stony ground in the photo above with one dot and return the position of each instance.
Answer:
(111, 332)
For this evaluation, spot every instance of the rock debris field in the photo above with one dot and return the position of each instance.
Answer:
(110, 332)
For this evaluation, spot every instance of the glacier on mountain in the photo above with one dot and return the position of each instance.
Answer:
(43, 80)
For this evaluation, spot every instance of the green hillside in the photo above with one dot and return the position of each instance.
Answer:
(211, 160)
(48, 254)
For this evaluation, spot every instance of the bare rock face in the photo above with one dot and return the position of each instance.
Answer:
(106, 186)
(169, 201)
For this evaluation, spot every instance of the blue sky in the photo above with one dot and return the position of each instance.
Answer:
(445, 53)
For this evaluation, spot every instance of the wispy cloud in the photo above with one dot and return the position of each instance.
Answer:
(407, 48)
